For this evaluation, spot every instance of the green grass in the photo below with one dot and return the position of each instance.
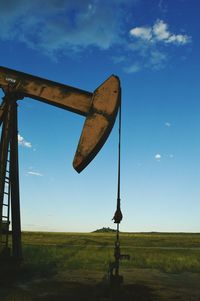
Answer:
(73, 266)
(54, 252)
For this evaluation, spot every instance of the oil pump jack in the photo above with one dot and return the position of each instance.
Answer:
(100, 109)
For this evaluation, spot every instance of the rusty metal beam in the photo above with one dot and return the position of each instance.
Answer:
(99, 107)
(50, 92)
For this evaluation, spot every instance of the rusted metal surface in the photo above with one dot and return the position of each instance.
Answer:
(53, 93)
(2, 109)
(99, 122)
(100, 107)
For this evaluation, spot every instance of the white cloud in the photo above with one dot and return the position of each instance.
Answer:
(159, 33)
(144, 33)
(33, 173)
(150, 45)
(158, 157)
(23, 142)
(160, 30)
(179, 39)
(168, 124)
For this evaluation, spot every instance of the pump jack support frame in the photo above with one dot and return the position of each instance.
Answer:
(99, 107)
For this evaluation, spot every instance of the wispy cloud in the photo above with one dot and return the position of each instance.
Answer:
(133, 68)
(63, 26)
(70, 27)
(23, 142)
(167, 124)
(34, 173)
(150, 45)
(162, 6)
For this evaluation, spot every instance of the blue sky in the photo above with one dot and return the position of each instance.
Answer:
(153, 46)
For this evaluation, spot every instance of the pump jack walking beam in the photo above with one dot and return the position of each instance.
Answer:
(100, 109)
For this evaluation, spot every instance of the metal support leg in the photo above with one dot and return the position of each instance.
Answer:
(4, 144)
(9, 137)
(15, 198)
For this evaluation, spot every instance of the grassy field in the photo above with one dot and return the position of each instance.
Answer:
(163, 266)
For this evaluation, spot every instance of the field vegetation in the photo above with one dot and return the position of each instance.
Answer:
(171, 253)
(163, 266)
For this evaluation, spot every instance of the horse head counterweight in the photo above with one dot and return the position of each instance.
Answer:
(100, 109)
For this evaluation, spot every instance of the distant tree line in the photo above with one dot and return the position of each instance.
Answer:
(104, 230)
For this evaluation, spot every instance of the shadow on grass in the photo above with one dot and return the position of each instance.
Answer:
(35, 282)
(14, 272)
(70, 291)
